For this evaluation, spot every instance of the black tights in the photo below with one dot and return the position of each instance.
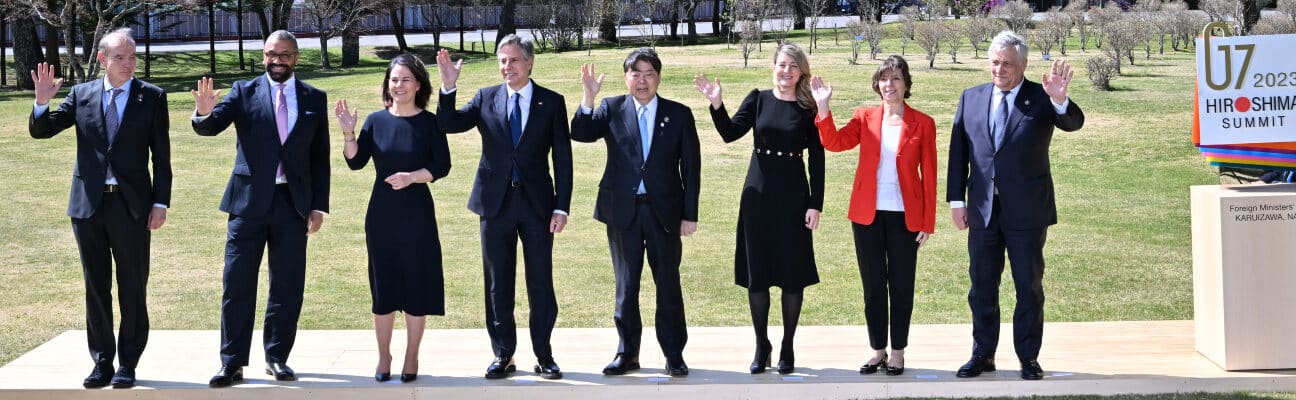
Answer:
(760, 306)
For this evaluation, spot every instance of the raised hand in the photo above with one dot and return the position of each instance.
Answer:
(346, 117)
(46, 85)
(591, 84)
(711, 90)
(1056, 80)
(822, 94)
(205, 97)
(449, 71)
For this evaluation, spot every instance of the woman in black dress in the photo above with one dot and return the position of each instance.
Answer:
(408, 152)
(779, 207)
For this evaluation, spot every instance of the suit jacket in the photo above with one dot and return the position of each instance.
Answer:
(545, 131)
(143, 132)
(1020, 168)
(671, 175)
(250, 107)
(915, 164)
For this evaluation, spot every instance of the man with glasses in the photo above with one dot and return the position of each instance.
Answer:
(277, 195)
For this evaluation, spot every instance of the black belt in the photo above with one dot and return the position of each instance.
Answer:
(642, 198)
(776, 153)
(111, 188)
(515, 184)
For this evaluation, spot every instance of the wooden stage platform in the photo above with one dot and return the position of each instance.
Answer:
(1079, 358)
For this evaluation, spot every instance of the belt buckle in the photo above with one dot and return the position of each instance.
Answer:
(111, 188)
(515, 184)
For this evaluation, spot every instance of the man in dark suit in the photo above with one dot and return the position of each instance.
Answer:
(120, 123)
(521, 125)
(277, 195)
(999, 163)
(648, 198)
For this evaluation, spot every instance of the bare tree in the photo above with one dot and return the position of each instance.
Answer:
(335, 18)
(815, 10)
(864, 32)
(1102, 17)
(1186, 26)
(978, 29)
(1273, 25)
(1121, 35)
(646, 15)
(432, 12)
(950, 39)
(1076, 11)
(1016, 13)
(1053, 29)
(930, 35)
(909, 16)
(100, 15)
(557, 23)
(1101, 70)
(1288, 7)
(749, 34)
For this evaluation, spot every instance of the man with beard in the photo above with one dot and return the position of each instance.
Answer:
(277, 195)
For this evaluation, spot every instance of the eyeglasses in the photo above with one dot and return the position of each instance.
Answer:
(281, 56)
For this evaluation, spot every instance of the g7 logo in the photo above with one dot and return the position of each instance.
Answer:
(1248, 49)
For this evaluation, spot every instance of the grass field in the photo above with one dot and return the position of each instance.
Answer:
(1120, 252)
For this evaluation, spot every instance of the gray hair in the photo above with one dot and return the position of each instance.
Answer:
(1008, 39)
(283, 35)
(528, 48)
(119, 35)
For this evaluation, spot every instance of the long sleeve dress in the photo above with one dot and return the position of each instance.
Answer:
(400, 226)
(774, 247)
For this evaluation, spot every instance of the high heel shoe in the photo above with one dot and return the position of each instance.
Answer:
(407, 378)
(382, 376)
(873, 368)
(787, 361)
(762, 359)
(892, 370)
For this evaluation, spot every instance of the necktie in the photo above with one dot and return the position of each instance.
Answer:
(112, 121)
(1000, 121)
(645, 137)
(515, 129)
(281, 122)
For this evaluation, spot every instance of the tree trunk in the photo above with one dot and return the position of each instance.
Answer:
(4, 68)
(211, 36)
(280, 13)
(674, 20)
(324, 55)
(508, 8)
(397, 15)
(265, 23)
(350, 48)
(148, 42)
(461, 28)
(69, 42)
(1250, 15)
(691, 12)
(26, 52)
(717, 16)
(51, 55)
(608, 22)
(238, 18)
(798, 14)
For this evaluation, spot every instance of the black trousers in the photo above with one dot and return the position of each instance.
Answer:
(500, 236)
(663, 249)
(283, 230)
(1025, 250)
(887, 253)
(112, 234)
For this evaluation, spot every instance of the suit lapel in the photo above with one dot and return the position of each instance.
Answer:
(263, 84)
(538, 108)
(630, 119)
(1021, 106)
(94, 101)
(301, 111)
(978, 117)
(126, 124)
(500, 103)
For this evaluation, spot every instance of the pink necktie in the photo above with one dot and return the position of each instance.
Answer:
(281, 121)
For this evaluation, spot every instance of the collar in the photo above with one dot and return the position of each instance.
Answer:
(124, 86)
(526, 91)
(639, 108)
(290, 85)
(1013, 91)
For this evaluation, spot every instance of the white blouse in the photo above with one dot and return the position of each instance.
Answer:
(888, 190)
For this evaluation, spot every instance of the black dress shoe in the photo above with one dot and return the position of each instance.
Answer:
(761, 360)
(869, 369)
(677, 368)
(621, 364)
(1032, 371)
(382, 376)
(280, 371)
(547, 368)
(99, 377)
(407, 378)
(226, 376)
(893, 371)
(787, 361)
(974, 367)
(124, 378)
(501, 368)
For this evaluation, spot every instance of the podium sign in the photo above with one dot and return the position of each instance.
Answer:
(1246, 89)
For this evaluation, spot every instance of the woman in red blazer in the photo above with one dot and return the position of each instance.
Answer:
(893, 202)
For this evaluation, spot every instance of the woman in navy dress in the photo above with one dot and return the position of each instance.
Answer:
(779, 207)
(408, 152)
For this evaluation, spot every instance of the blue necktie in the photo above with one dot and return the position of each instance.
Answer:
(515, 128)
(1000, 122)
(112, 121)
(645, 137)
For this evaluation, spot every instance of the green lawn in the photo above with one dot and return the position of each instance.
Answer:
(1120, 252)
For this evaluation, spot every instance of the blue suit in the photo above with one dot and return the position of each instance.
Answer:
(1017, 218)
(262, 212)
(512, 209)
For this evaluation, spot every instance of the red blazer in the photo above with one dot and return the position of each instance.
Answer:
(915, 164)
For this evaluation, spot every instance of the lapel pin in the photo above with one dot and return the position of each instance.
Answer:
(540, 103)
(1028, 102)
(139, 97)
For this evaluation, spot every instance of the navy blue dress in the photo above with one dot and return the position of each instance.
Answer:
(400, 225)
